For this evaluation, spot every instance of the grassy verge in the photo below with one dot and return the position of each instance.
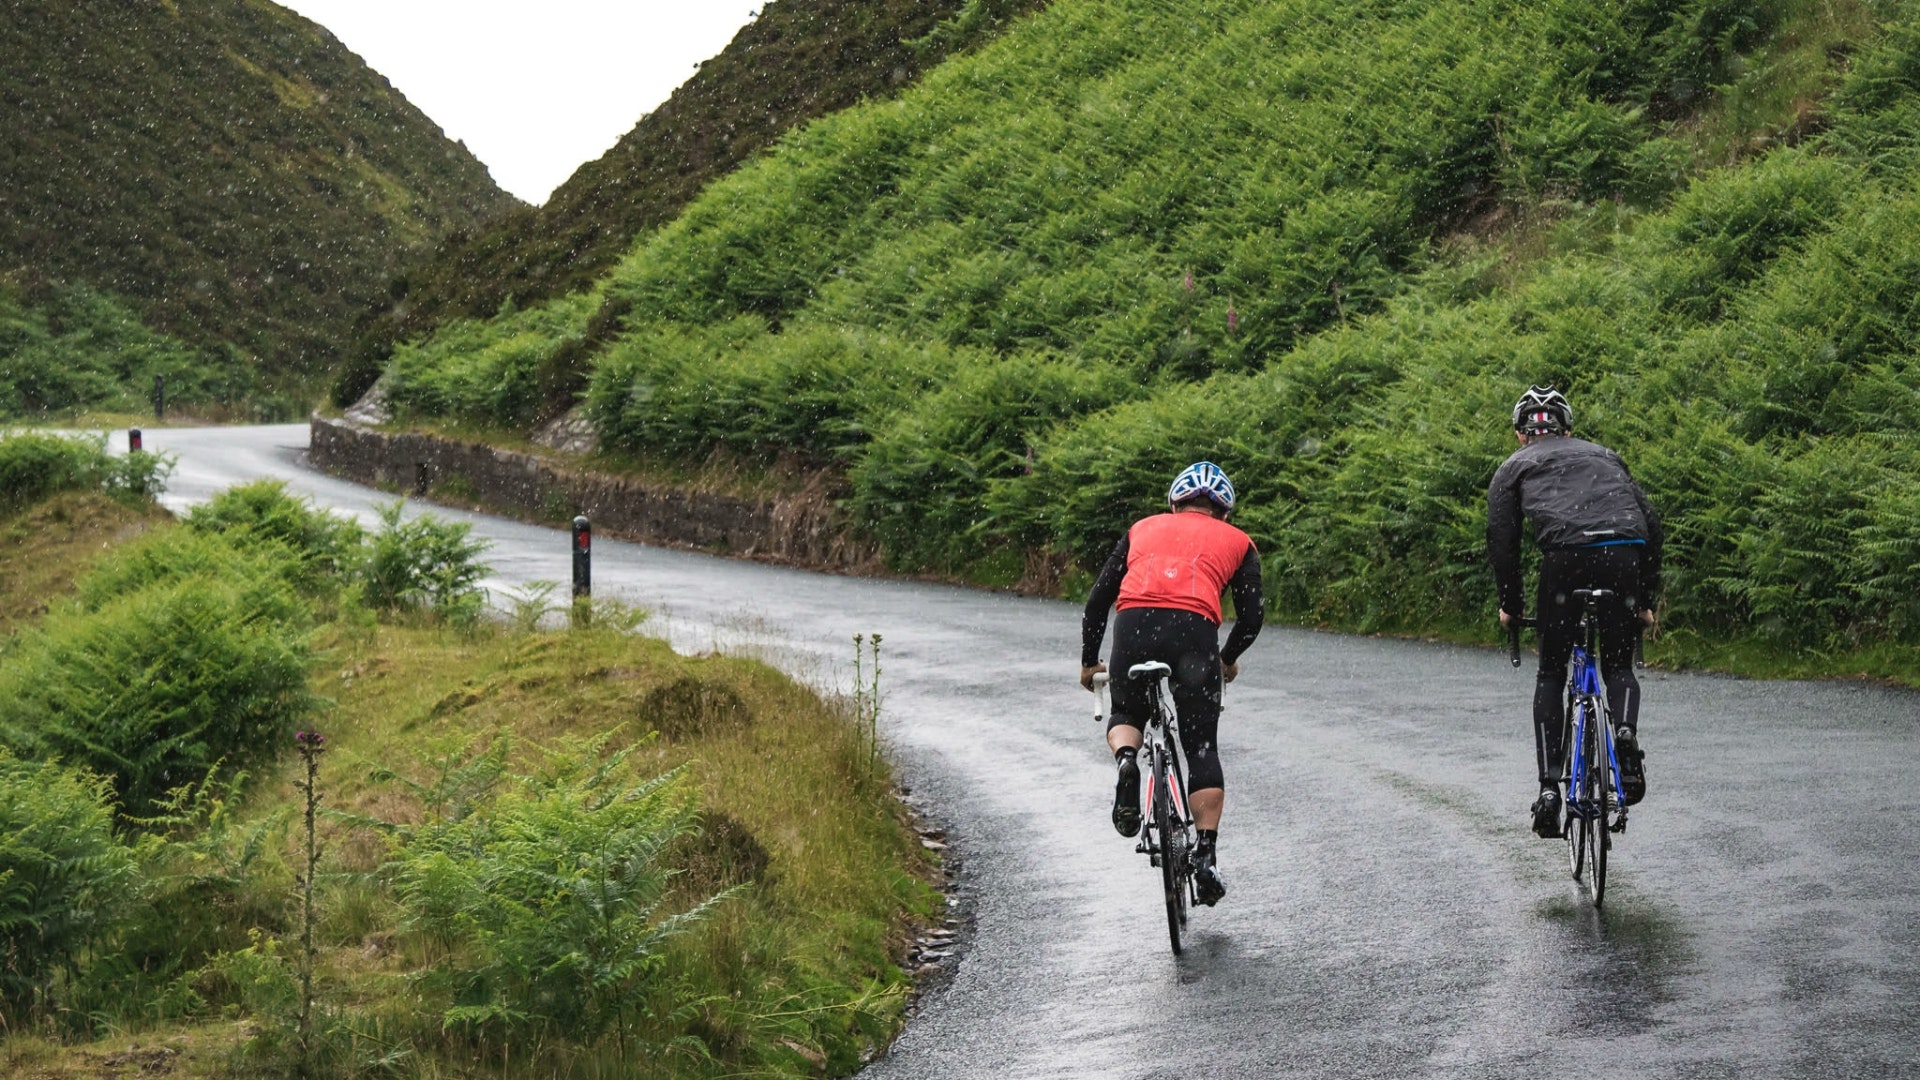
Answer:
(776, 807)
(45, 547)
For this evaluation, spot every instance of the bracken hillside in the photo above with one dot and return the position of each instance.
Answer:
(1325, 243)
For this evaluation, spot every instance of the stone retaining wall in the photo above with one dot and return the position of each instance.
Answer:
(805, 529)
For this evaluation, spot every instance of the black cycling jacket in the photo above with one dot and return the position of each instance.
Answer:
(1576, 494)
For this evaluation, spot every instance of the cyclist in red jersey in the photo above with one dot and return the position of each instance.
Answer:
(1166, 577)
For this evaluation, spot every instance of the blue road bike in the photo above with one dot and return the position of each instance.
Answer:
(1595, 806)
(1166, 833)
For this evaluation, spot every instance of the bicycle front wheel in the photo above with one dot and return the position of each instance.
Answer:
(1173, 853)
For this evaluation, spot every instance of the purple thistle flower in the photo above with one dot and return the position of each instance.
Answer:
(1233, 318)
(1188, 281)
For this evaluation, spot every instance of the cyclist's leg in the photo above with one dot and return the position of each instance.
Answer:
(1196, 694)
(1559, 625)
(1619, 631)
(1618, 569)
(1138, 636)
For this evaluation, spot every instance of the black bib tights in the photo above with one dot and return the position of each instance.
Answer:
(1189, 644)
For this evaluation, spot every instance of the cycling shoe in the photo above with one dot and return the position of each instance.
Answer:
(1633, 768)
(1209, 885)
(1546, 814)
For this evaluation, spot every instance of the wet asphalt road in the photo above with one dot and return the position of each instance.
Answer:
(1390, 915)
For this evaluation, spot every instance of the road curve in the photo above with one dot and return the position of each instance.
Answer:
(1390, 916)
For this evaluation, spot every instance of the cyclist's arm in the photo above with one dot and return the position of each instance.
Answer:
(1656, 538)
(1503, 537)
(1106, 590)
(1248, 609)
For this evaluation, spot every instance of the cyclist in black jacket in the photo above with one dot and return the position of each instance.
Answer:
(1596, 530)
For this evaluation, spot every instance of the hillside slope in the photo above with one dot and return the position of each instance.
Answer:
(799, 59)
(225, 167)
(1324, 242)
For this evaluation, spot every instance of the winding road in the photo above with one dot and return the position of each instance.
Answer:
(1390, 914)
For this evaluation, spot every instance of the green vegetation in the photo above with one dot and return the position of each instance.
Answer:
(1326, 243)
(228, 173)
(34, 466)
(797, 60)
(79, 348)
(566, 853)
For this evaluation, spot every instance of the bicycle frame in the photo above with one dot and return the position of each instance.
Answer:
(1587, 698)
(1160, 740)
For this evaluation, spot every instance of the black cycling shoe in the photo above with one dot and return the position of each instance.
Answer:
(1126, 798)
(1208, 886)
(1633, 766)
(1546, 814)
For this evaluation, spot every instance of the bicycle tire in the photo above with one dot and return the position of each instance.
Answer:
(1574, 827)
(1600, 790)
(1170, 877)
(1576, 836)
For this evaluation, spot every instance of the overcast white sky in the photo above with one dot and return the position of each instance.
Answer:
(533, 89)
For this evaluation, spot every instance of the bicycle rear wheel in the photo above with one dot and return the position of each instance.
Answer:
(1173, 853)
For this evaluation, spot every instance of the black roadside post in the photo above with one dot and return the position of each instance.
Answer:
(159, 398)
(582, 571)
(133, 440)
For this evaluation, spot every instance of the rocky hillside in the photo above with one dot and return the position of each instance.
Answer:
(226, 168)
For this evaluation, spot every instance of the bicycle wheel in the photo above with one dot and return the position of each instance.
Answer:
(1600, 795)
(1172, 853)
(1576, 836)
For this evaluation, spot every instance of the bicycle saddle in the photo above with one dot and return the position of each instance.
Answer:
(1152, 669)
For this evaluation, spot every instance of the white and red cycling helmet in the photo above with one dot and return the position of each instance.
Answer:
(1542, 410)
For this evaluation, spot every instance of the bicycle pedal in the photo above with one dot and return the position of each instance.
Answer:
(1619, 825)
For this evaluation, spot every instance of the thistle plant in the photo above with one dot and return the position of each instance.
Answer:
(310, 744)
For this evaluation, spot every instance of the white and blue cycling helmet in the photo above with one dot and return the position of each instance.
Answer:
(1202, 478)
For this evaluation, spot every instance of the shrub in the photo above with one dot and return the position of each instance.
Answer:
(545, 895)
(920, 484)
(423, 564)
(33, 466)
(157, 686)
(488, 371)
(63, 875)
(817, 391)
(325, 545)
(263, 573)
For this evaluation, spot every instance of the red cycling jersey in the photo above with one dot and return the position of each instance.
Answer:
(1183, 561)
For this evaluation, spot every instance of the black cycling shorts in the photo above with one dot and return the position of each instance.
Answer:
(1189, 643)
